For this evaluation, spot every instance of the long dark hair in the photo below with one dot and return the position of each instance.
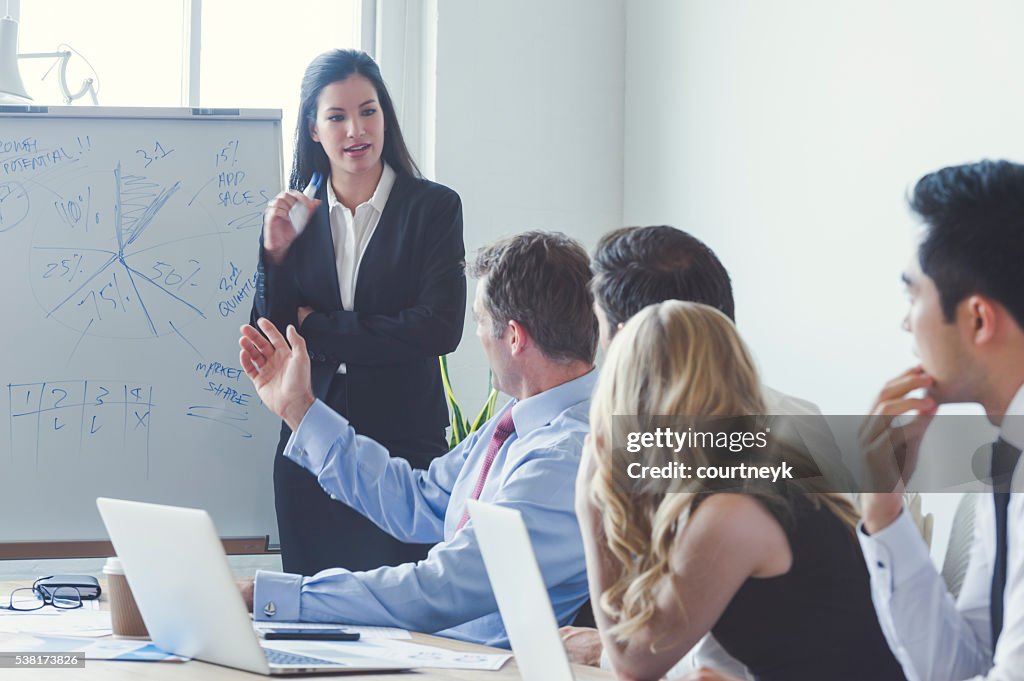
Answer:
(328, 68)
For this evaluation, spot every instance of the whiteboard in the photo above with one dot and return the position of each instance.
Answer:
(129, 240)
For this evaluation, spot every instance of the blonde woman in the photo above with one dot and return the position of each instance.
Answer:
(772, 569)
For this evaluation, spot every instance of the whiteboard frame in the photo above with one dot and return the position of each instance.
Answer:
(143, 112)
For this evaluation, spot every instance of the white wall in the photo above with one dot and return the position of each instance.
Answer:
(786, 134)
(528, 127)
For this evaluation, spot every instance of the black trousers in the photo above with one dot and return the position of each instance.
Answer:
(318, 532)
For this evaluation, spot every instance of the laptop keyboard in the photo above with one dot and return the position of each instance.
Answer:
(279, 657)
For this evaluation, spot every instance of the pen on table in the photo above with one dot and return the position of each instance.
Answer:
(299, 213)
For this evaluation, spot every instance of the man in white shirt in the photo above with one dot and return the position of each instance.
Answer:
(966, 290)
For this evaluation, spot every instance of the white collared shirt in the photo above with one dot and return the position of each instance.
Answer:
(934, 638)
(351, 234)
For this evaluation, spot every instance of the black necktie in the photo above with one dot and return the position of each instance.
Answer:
(1004, 459)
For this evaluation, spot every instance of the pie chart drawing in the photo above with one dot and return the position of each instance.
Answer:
(125, 256)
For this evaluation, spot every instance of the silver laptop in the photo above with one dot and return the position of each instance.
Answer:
(175, 564)
(519, 590)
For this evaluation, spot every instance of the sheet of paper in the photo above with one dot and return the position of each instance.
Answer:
(429, 656)
(102, 649)
(364, 632)
(391, 650)
(91, 623)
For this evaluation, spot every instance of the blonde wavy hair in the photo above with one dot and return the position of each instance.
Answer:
(671, 359)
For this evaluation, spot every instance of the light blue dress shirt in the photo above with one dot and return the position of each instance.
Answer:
(448, 592)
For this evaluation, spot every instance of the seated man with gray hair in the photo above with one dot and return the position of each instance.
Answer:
(533, 309)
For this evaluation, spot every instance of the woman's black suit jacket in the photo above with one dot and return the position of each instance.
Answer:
(410, 302)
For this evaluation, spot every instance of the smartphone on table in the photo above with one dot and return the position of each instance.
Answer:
(271, 634)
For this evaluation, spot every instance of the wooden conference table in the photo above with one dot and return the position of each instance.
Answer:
(98, 670)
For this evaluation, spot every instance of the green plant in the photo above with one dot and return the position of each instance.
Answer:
(461, 426)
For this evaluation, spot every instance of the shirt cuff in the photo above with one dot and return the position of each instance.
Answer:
(319, 430)
(276, 596)
(894, 555)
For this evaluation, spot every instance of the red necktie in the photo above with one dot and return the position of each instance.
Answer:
(502, 430)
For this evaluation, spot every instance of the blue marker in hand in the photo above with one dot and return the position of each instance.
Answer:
(299, 214)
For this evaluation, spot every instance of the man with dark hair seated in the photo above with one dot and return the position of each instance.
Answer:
(966, 289)
(635, 267)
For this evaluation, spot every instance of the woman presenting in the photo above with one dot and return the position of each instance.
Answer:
(375, 282)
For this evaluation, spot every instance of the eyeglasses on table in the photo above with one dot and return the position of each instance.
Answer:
(35, 598)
